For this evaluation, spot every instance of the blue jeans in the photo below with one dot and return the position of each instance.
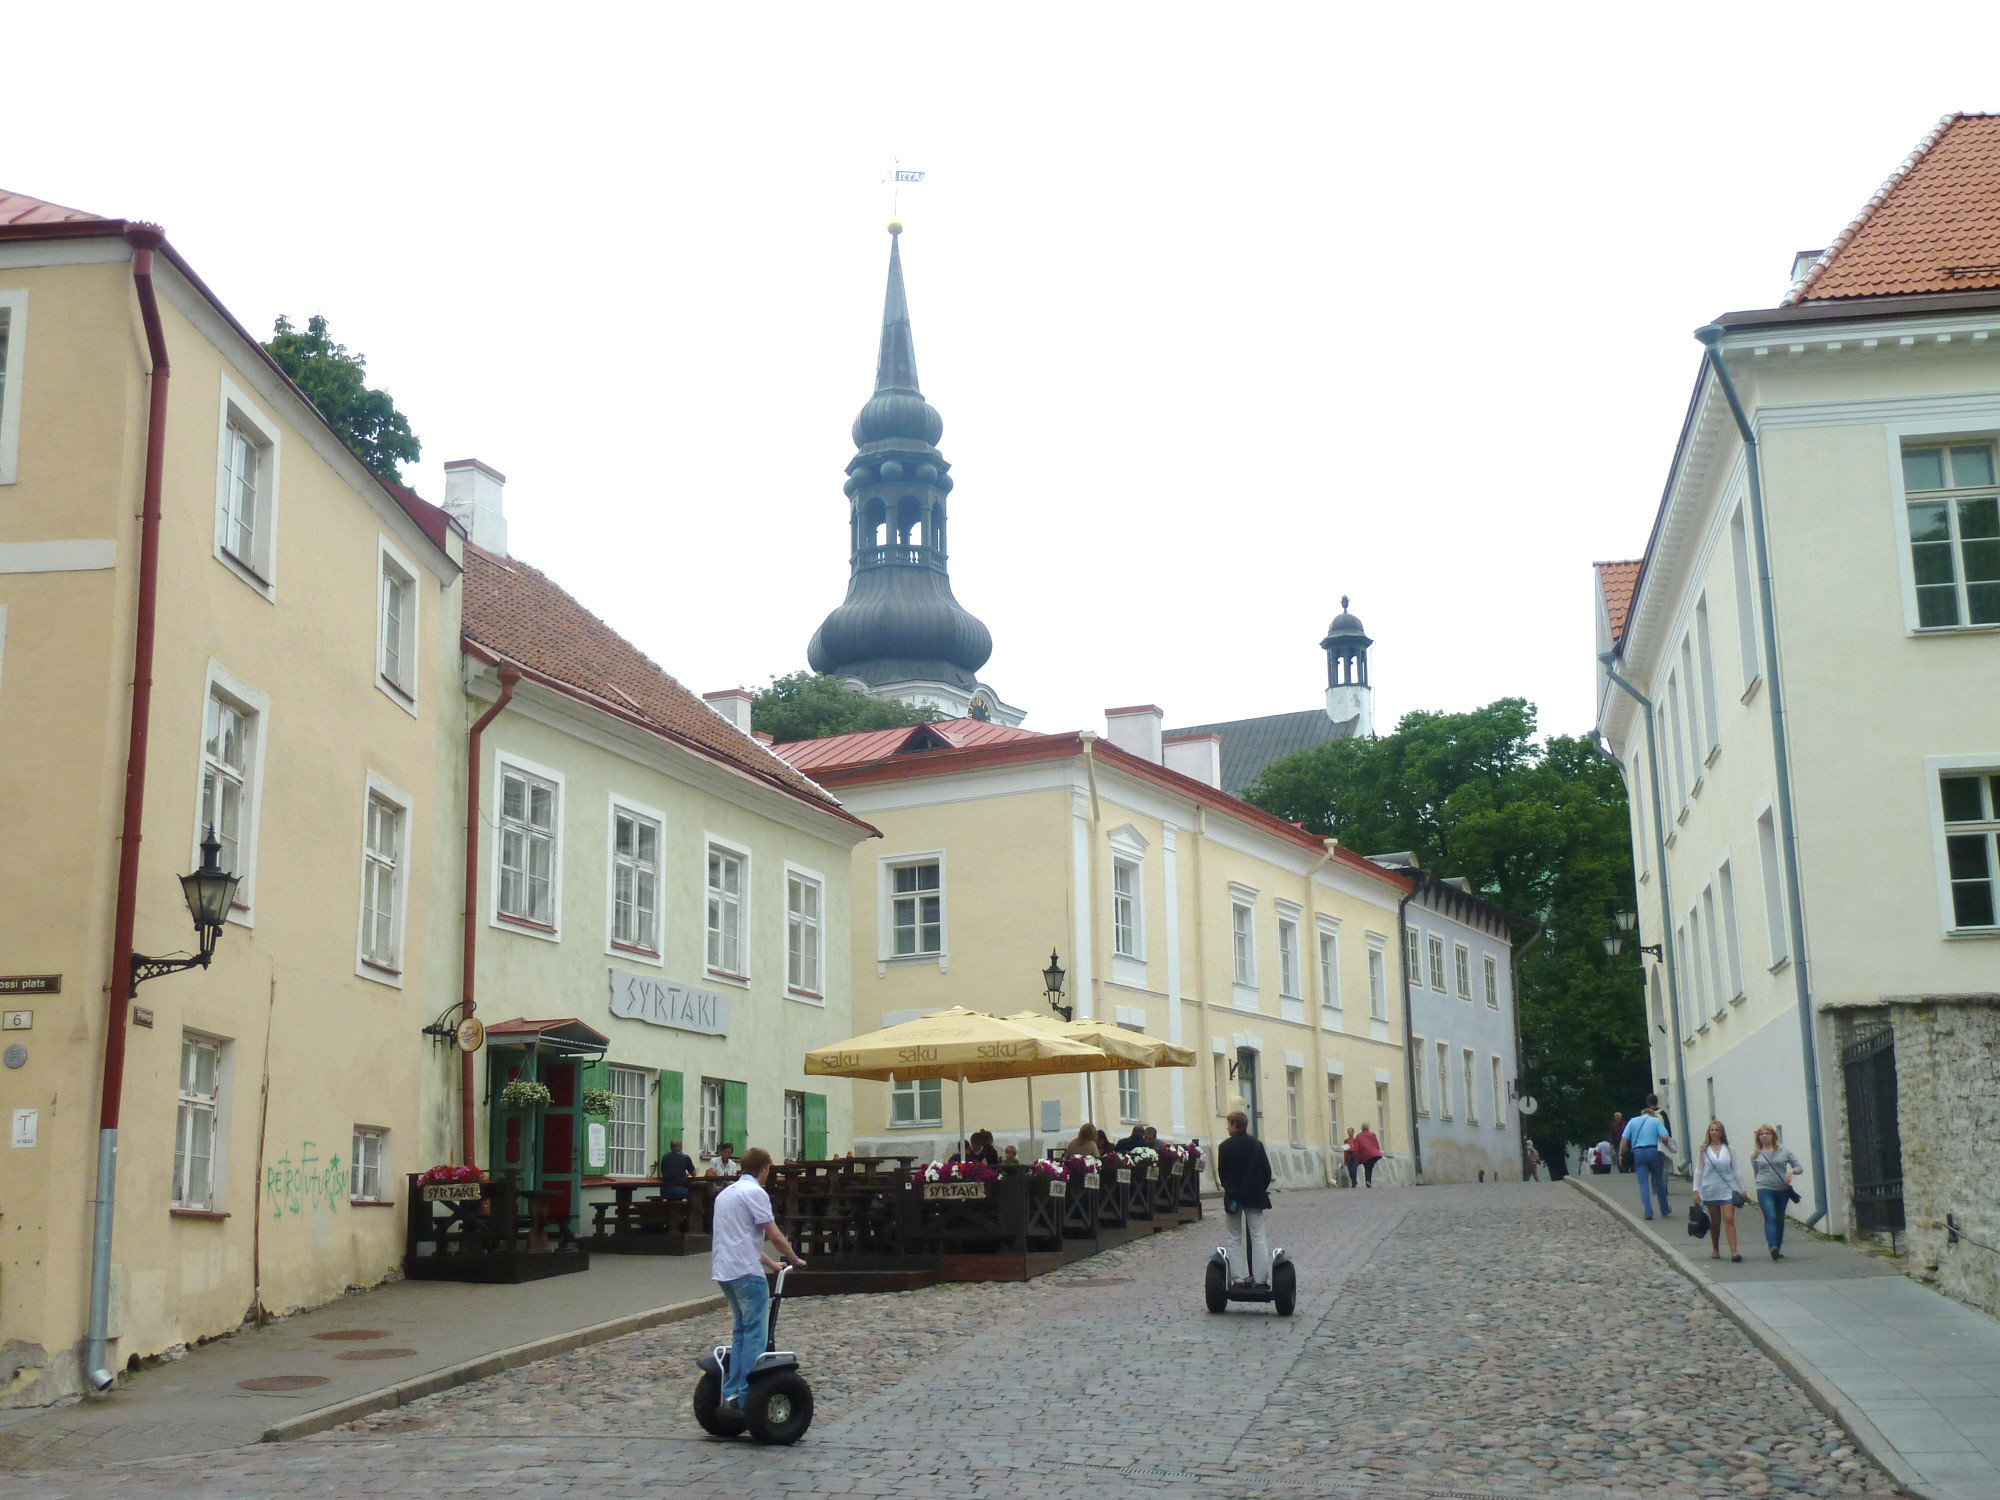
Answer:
(1773, 1201)
(1652, 1169)
(750, 1300)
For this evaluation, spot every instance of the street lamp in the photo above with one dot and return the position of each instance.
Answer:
(210, 892)
(1614, 940)
(1052, 981)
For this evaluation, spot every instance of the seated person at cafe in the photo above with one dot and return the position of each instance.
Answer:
(1009, 1157)
(1152, 1140)
(724, 1162)
(1085, 1144)
(1135, 1140)
(676, 1172)
(982, 1148)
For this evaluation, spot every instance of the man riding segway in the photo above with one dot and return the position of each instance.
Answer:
(1245, 1173)
(748, 1386)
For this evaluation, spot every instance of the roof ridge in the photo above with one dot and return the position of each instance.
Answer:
(1841, 241)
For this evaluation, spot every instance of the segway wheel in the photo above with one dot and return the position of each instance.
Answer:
(708, 1408)
(1284, 1287)
(779, 1408)
(1215, 1287)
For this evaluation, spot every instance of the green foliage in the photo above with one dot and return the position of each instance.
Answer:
(1540, 829)
(333, 381)
(811, 706)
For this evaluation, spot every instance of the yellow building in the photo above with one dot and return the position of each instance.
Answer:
(166, 492)
(1177, 910)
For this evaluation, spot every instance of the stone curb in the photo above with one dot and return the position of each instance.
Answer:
(488, 1364)
(1819, 1390)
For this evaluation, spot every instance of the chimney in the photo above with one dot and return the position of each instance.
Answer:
(1196, 755)
(1135, 730)
(733, 704)
(472, 497)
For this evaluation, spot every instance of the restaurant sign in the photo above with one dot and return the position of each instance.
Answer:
(659, 1002)
(452, 1192)
(953, 1190)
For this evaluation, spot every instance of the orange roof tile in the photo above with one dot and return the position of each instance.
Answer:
(1934, 226)
(19, 208)
(1617, 580)
(519, 616)
(869, 745)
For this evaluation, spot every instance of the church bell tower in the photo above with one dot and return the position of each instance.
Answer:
(1350, 702)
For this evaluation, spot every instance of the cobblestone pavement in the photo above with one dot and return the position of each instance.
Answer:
(1507, 1339)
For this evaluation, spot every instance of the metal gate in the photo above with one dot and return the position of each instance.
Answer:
(1874, 1145)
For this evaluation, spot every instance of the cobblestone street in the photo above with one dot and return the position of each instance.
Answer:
(1506, 1339)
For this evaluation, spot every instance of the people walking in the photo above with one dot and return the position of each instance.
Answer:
(1349, 1160)
(1367, 1151)
(1646, 1136)
(1245, 1174)
(1773, 1169)
(742, 1224)
(1719, 1185)
(1617, 1138)
(1531, 1161)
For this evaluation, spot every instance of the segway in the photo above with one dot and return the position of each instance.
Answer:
(778, 1407)
(1221, 1289)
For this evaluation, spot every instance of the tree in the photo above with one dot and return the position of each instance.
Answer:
(811, 706)
(1541, 829)
(333, 380)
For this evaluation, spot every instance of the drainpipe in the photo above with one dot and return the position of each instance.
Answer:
(1318, 1022)
(1409, 1028)
(1089, 741)
(1711, 340)
(467, 1092)
(1666, 905)
(1514, 957)
(144, 239)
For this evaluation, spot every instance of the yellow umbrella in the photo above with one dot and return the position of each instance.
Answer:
(1133, 1049)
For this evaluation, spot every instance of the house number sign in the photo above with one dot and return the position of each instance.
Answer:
(658, 1002)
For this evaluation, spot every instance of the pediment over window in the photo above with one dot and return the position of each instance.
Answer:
(1128, 841)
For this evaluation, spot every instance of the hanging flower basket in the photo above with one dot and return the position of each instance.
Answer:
(524, 1094)
(599, 1102)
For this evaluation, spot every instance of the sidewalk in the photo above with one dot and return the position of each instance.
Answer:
(366, 1349)
(1914, 1375)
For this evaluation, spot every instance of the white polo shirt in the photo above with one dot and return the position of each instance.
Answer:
(737, 1233)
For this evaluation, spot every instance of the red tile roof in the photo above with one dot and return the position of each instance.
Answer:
(1934, 226)
(19, 208)
(516, 615)
(866, 746)
(1617, 580)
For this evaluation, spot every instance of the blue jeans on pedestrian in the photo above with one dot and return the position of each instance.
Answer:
(749, 1299)
(1652, 1179)
(1773, 1201)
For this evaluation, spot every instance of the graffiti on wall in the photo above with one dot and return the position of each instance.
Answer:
(309, 1184)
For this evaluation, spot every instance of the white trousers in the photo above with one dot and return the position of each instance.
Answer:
(1260, 1247)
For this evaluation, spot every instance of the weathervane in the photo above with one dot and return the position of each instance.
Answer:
(896, 176)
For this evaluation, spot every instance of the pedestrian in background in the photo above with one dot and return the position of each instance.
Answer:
(1719, 1185)
(1773, 1169)
(1623, 1159)
(1245, 1174)
(1646, 1135)
(1349, 1160)
(1531, 1161)
(1367, 1151)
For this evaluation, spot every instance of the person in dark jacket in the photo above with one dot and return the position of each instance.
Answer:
(1135, 1140)
(1245, 1174)
(676, 1172)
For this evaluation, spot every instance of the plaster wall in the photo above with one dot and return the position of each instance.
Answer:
(1460, 1144)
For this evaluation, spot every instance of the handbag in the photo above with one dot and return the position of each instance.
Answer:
(1793, 1193)
(1697, 1221)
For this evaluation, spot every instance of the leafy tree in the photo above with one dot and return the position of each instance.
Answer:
(811, 706)
(1541, 829)
(332, 379)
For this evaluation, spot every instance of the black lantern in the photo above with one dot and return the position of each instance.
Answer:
(1052, 981)
(210, 893)
(1614, 940)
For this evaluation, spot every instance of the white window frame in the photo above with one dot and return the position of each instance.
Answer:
(715, 844)
(1732, 942)
(795, 1126)
(1491, 967)
(1499, 1093)
(1641, 859)
(1444, 1080)
(215, 1107)
(1934, 767)
(1332, 1106)
(1243, 940)
(1128, 909)
(1434, 952)
(14, 304)
(1471, 1086)
(1674, 724)
(363, 1138)
(1705, 656)
(1749, 657)
(796, 922)
(260, 569)
(393, 566)
(1712, 933)
(1695, 762)
(708, 1118)
(885, 909)
(615, 1074)
(1378, 980)
(913, 1092)
(390, 972)
(221, 682)
(503, 762)
(1413, 955)
(1329, 970)
(1221, 1070)
(1982, 426)
(1294, 1085)
(1421, 1048)
(1291, 967)
(1777, 929)
(653, 950)
(1131, 1097)
(1461, 971)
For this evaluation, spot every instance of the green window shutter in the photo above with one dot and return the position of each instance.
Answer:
(597, 1075)
(815, 1142)
(670, 1110)
(736, 1115)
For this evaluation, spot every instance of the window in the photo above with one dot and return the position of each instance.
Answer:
(370, 1163)
(1471, 1091)
(381, 883)
(1243, 940)
(802, 932)
(246, 491)
(1492, 967)
(241, 455)
(1693, 709)
(225, 777)
(1972, 847)
(628, 1145)
(1382, 1112)
(1710, 930)
(1705, 653)
(1954, 511)
(1333, 1136)
(1774, 888)
(1696, 969)
(13, 333)
(1680, 748)
(396, 630)
(916, 909)
(1378, 986)
(528, 811)
(1292, 1077)
(920, 1101)
(725, 912)
(795, 1126)
(195, 1138)
(1126, 940)
(1732, 947)
(1633, 784)
(1288, 959)
(1499, 1097)
(635, 881)
(1131, 1105)
(1329, 971)
(1221, 1084)
(1462, 962)
(1444, 1080)
(1437, 962)
(1746, 601)
(1421, 1071)
(711, 1115)
(1412, 962)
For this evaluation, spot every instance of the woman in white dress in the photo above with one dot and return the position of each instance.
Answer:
(1719, 1184)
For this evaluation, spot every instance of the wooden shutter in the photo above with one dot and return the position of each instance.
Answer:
(670, 1111)
(815, 1132)
(736, 1115)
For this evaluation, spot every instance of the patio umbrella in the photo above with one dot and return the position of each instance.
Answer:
(1132, 1049)
(956, 1043)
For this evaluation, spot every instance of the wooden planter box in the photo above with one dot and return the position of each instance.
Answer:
(1188, 1202)
(1139, 1204)
(1114, 1209)
(1079, 1221)
(494, 1237)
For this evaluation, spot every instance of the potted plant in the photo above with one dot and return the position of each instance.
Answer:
(524, 1093)
(599, 1102)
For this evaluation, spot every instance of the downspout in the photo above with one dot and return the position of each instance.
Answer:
(1318, 1023)
(144, 241)
(1666, 906)
(1711, 339)
(1201, 961)
(1409, 1029)
(1514, 999)
(1089, 741)
(467, 1091)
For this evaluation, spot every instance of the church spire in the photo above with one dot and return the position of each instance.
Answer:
(896, 366)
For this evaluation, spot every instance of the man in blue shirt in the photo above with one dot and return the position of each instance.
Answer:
(1647, 1136)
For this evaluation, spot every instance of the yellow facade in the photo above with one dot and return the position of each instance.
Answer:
(308, 1048)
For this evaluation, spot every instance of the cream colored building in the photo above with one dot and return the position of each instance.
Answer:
(1177, 910)
(297, 674)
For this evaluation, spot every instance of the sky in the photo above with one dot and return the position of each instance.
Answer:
(1229, 311)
